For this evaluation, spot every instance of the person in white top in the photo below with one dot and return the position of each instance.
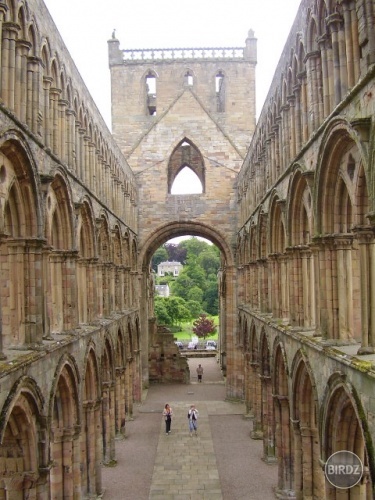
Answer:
(193, 420)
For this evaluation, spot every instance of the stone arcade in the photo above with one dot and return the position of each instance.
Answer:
(289, 201)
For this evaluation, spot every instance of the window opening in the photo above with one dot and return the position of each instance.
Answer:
(151, 94)
(220, 92)
(188, 79)
(186, 182)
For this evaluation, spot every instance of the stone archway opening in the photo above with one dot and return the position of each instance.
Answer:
(163, 355)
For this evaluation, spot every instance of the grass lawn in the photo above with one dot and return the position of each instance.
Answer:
(187, 331)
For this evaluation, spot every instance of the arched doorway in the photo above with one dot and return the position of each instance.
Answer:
(230, 362)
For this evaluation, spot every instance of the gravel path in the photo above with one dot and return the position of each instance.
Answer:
(243, 475)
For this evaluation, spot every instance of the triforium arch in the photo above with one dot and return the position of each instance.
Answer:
(186, 154)
(341, 205)
(344, 427)
(228, 320)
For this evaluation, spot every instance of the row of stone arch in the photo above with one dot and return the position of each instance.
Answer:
(61, 112)
(318, 216)
(300, 427)
(332, 48)
(65, 260)
(55, 437)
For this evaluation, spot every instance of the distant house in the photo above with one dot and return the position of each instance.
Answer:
(169, 267)
(162, 290)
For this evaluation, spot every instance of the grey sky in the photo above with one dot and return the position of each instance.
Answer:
(86, 25)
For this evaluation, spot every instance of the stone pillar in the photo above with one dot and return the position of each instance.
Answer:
(20, 90)
(67, 464)
(285, 489)
(366, 239)
(34, 300)
(55, 120)
(47, 81)
(128, 387)
(343, 246)
(120, 392)
(268, 421)
(257, 432)
(33, 113)
(3, 11)
(9, 36)
(339, 77)
(312, 60)
(62, 130)
(70, 140)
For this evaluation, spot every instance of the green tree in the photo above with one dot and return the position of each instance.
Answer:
(177, 310)
(204, 327)
(194, 307)
(161, 311)
(210, 298)
(193, 246)
(196, 294)
(182, 284)
(209, 260)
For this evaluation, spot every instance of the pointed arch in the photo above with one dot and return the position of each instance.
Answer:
(186, 154)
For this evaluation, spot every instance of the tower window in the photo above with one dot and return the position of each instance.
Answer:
(220, 92)
(151, 94)
(188, 79)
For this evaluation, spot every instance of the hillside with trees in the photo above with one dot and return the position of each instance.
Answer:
(195, 290)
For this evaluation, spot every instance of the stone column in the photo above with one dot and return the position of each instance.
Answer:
(3, 11)
(47, 82)
(55, 120)
(67, 463)
(339, 76)
(343, 246)
(268, 421)
(62, 130)
(33, 112)
(366, 238)
(70, 140)
(20, 90)
(9, 36)
(257, 432)
(285, 488)
(120, 391)
(312, 61)
(34, 300)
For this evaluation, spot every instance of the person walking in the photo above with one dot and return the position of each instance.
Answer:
(200, 373)
(167, 413)
(193, 420)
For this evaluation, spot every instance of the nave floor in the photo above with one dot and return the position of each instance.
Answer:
(221, 463)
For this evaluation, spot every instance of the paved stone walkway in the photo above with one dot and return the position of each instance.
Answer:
(221, 463)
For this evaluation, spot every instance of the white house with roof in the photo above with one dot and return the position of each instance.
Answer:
(169, 267)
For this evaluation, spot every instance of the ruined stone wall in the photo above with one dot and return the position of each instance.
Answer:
(305, 249)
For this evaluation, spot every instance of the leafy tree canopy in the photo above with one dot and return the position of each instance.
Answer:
(204, 326)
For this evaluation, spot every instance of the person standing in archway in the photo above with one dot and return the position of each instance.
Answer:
(200, 373)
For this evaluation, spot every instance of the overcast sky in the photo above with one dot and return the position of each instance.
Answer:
(86, 25)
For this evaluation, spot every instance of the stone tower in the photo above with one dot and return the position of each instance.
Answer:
(185, 108)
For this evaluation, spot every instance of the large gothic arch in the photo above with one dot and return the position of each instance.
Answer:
(227, 299)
